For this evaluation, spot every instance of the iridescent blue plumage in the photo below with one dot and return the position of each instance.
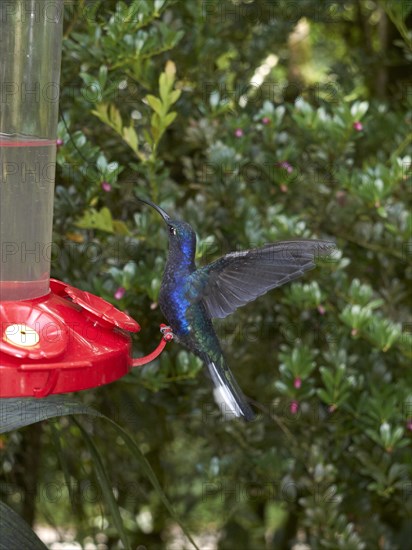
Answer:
(190, 297)
(174, 292)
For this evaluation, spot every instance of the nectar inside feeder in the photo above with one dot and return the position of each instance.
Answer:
(54, 338)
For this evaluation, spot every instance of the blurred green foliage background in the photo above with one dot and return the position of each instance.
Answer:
(254, 121)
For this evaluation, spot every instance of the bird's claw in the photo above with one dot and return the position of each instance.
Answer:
(167, 332)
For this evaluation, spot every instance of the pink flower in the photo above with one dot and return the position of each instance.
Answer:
(285, 165)
(265, 120)
(59, 142)
(106, 186)
(358, 126)
(297, 382)
(409, 424)
(239, 132)
(120, 292)
(321, 310)
(294, 407)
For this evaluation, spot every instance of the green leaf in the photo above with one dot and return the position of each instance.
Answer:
(174, 96)
(115, 118)
(16, 413)
(155, 122)
(170, 118)
(298, 361)
(374, 304)
(131, 138)
(120, 228)
(93, 219)
(88, 79)
(158, 4)
(325, 396)
(304, 295)
(155, 104)
(327, 378)
(281, 387)
(105, 485)
(385, 433)
(103, 75)
(101, 162)
(101, 112)
(214, 99)
(166, 80)
(15, 533)
(359, 109)
(165, 85)
(56, 437)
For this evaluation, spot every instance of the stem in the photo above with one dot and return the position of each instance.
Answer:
(402, 146)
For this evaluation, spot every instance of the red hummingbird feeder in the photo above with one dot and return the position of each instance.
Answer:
(54, 338)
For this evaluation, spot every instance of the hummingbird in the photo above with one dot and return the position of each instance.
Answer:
(190, 297)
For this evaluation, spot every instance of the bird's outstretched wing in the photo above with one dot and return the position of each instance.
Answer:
(239, 277)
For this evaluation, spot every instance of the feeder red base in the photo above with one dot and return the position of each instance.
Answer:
(66, 341)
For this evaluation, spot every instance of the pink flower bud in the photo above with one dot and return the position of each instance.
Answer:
(286, 166)
(358, 126)
(321, 310)
(59, 142)
(297, 382)
(239, 132)
(106, 186)
(120, 292)
(265, 120)
(294, 407)
(409, 424)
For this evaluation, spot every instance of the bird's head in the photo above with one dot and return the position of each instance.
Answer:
(181, 235)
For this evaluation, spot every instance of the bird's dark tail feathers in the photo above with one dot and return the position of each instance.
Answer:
(227, 392)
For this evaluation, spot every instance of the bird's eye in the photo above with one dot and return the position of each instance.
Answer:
(172, 230)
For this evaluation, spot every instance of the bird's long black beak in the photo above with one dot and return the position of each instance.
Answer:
(164, 215)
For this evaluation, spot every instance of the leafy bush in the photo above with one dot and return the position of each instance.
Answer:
(245, 120)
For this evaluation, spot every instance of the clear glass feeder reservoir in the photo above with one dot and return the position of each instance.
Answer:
(29, 76)
(54, 338)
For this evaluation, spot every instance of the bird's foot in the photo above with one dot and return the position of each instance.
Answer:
(167, 332)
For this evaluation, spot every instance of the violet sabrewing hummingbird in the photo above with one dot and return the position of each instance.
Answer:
(190, 297)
